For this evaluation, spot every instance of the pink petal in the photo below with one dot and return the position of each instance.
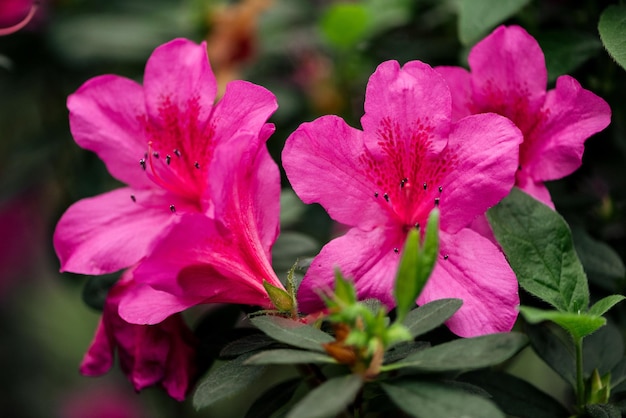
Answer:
(412, 101)
(109, 232)
(144, 305)
(178, 74)
(538, 190)
(476, 272)
(367, 257)
(459, 82)
(483, 152)
(509, 75)
(244, 107)
(105, 115)
(99, 358)
(571, 114)
(322, 161)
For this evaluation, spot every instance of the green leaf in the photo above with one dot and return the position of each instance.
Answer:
(464, 354)
(291, 208)
(97, 288)
(273, 399)
(287, 356)
(618, 376)
(603, 411)
(328, 399)
(567, 50)
(400, 351)
(612, 28)
(345, 24)
(279, 297)
(428, 399)
(603, 350)
(344, 290)
(247, 344)
(603, 305)
(539, 248)
(290, 246)
(603, 265)
(515, 396)
(431, 315)
(579, 325)
(477, 17)
(554, 346)
(292, 332)
(224, 381)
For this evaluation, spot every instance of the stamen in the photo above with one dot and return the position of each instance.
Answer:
(168, 158)
(142, 163)
(155, 154)
(133, 198)
(425, 186)
(196, 164)
(177, 152)
(445, 257)
(375, 194)
(172, 209)
(417, 225)
(436, 201)
(395, 250)
(440, 189)
(386, 196)
(403, 182)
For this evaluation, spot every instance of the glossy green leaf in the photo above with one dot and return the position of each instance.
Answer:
(603, 265)
(464, 354)
(578, 325)
(612, 28)
(603, 305)
(431, 315)
(477, 17)
(247, 344)
(287, 356)
(225, 380)
(345, 24)
(328, 399)
(429, 399)
(538, 245)
(289, 247)
(273, 399)
(292, 332)
(291, 208)
(515, 396)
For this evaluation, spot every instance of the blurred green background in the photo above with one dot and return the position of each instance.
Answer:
(316, 56)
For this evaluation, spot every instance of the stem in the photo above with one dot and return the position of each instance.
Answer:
(580, 384)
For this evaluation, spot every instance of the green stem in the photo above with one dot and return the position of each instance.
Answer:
(580, 383)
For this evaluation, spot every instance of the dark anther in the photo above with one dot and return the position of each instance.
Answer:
(440, 189)
(425, 186)
(403, 182)
(445, 257)
(375, 194)
(133, 198)
(177, 152)
(172, 209)
(417, 225)
(386, 196)
(395, 250)
(436, 201)
(142, 163)
(155, 154)
(168, 158)
(196, 164)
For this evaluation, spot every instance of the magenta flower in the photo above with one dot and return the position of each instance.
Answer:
(508, 76)
(159, 139)
(222, 259)
(149, 355)
(384, 180)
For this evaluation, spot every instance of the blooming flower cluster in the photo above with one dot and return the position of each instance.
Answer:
(200, 213)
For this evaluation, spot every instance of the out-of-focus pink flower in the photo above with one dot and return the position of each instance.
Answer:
(160, 139)
(16, 14)
(222, 259)
(102, 401)
(385, 180)
(508, 76)
(149, 355)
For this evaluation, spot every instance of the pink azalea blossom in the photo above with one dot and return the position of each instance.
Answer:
(160, 139)
(222, 259)
(384, 180)
(149, 355)
(508, 76)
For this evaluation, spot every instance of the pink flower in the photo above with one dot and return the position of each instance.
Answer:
(222, 259)
(162, 354)
(386, 179)
(508, 76)
(159, 139)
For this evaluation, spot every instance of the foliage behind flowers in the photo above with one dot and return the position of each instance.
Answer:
(201, 297)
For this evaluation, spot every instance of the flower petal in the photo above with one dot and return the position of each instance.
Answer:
(476, 272)
(509, 75)
(99, 358)
(572, 114)
(367, 257)
(109, 232)
(105, 115)
(416, 98)
(178, 73)
(144, 305)
(484, 152)
(459, 82)
(322, 161)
